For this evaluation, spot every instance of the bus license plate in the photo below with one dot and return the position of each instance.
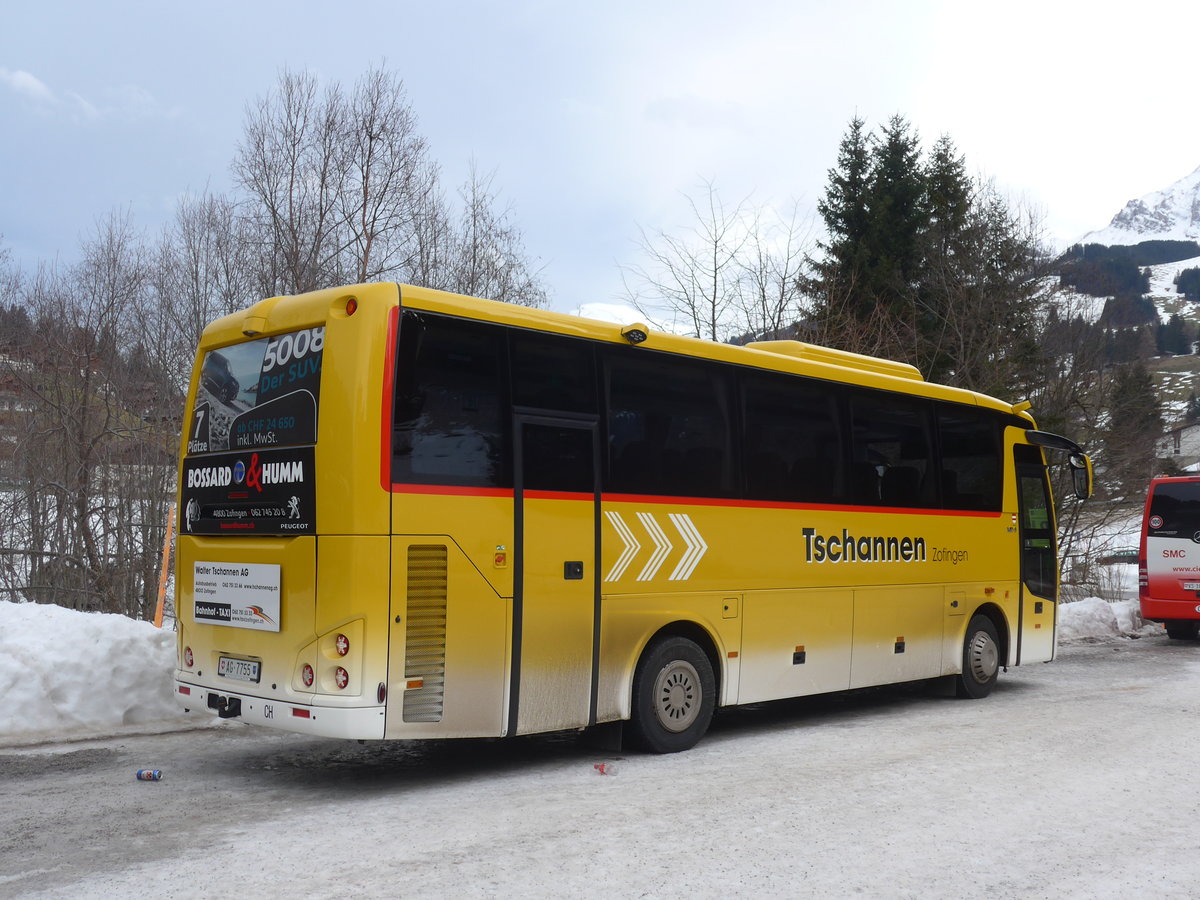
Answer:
(238, 669)
(1191, 585)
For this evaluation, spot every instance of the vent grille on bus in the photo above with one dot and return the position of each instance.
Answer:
(425, 633)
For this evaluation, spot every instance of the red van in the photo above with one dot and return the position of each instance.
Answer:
(1169, 556)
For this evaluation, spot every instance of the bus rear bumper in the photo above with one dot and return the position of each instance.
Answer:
(358, 723)
(1162, 610)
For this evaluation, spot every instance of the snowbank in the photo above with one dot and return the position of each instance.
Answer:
(64, 672)
(71, 674)
(1093, 619)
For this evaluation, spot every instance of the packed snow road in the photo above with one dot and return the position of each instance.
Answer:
(1071, 780)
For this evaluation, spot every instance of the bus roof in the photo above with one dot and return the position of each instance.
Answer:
(278, 314)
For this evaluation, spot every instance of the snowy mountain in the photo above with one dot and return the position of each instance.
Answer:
(1172, 214)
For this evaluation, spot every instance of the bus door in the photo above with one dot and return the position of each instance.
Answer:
(556, 603)
(1039, 562)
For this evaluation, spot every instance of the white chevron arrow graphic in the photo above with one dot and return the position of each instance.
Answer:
(696, 546)
(632, 546)
(662, 546)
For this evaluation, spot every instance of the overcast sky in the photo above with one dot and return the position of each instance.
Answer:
(598, 119)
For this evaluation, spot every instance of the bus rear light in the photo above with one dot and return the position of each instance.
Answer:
(185, 690)
(351, 306)
(342, 644)
(187, 657)
(300, 713)
(381, 693)
(341, 678)
(415, 684)
(306, 675)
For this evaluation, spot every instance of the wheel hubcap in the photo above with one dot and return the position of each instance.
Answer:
(677, 696)
(983, 657)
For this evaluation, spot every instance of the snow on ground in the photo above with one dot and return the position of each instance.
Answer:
(1162, 276)
(67, 674)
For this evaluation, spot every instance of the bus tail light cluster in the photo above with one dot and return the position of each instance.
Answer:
(188, 659)
(333, 664)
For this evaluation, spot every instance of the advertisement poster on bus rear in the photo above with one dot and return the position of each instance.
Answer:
(257, 492)
(250, 461)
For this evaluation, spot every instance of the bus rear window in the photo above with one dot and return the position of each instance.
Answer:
(258, 394)
(1174, 509)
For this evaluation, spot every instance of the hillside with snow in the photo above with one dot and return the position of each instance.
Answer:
(1172, 214)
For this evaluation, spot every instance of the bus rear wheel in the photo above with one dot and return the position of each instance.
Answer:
(981, 659)
(674, 693)
(1181, 629)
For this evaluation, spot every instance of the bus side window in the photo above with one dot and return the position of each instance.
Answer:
(452, 422)
(791, 440)
(669, 426)
(553, 373)
(892, 457)
(971, 472)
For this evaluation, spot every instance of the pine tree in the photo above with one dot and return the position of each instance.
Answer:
(896, 216)
(844, 212)
(1135, 425)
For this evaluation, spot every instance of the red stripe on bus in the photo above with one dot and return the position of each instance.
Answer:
(508, 493)
(780, 504)
(389, 388)
(559, 495)
(450, 490)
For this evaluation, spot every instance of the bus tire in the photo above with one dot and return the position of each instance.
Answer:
(1181, 629)
(980, 660)
(674, 694)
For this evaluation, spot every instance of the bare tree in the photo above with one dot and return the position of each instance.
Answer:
(291, 164)
(93, 464)
(487, 258)
(390, 179)
(694, 278)
(733, 274)
(202, 268)
(343, 189)
(772, 269)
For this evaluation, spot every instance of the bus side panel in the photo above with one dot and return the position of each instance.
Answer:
(628, 622)
(353, 377)
(448, 660)
(897, 634)
(1037, 628)
(963, 601)
(795, 643)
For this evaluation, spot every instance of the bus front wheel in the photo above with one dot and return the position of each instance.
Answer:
(981, 659)
(674, 693)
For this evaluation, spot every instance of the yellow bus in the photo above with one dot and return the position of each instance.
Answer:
(409, 514)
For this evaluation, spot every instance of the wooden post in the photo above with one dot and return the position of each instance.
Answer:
(166, 560)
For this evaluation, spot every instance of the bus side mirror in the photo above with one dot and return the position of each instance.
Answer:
(1081, 474)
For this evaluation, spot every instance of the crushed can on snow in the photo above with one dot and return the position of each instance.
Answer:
(605, 768)
(149, 775)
